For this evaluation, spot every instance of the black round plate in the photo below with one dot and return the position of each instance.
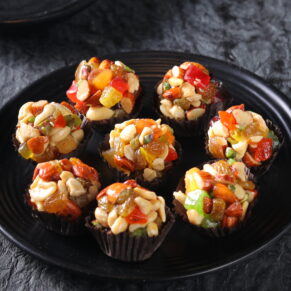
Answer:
(33, 11)
(185, 252)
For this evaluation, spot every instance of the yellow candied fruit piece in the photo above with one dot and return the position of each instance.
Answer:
(237, 135)
(110, 96)
(190, 182)
(148, 157)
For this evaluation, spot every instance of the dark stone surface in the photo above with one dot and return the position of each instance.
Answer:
(252, 34)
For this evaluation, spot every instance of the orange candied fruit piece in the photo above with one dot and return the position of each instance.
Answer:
(140, 124)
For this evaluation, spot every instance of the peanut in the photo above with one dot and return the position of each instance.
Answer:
(158, 164)
(161, 210)
(144, 205)
(99, 113)
(112, 216)
(149, 195)
(24, 111)
(149, 174)
(152, 216)
(58, 134)
(75, 187)
(48, 110)
(152, 229)
(26, 132)
(101, 216)
(133, 82)
(119, 225)
(65, 175)
(194, 217)
(128, 133)
(78, 134)
(181, 197)
(43, 190)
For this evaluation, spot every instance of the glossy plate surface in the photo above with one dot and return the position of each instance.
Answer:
(18, 12)
(184, 252)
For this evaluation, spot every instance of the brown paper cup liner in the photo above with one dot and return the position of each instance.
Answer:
(138, 175)
(78, 152)
(106, 125)
(218, 231)
(128, 248)
(60, 224)
(265, 166)
(188, 128)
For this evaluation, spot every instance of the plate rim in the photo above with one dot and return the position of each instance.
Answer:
(41, 18)
(31, 249)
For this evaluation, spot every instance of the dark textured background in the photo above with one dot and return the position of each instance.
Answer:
(252, 34)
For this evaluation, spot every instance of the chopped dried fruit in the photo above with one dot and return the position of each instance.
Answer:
(100, 78)
(227, 119)
(264, 150)
(49, 172)
(110, 96)
(124, 163)
(66, 164)
(249, 160)
(234, 209)
(207, 204)
(119, 84)
(241, 107)
(217, 146)
(203, 180)
(172, 155)
(72, 92)
(82, 170)
(195, 76)
(218, 208)
(172, 93)
(60, 121)
(223, 192)
(136, 217)
(155, 148)
(37, 144)
(229, 221)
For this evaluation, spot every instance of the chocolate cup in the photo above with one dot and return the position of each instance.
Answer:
(78, 152)
(265, 166)
(218, 231)
(138, 175)
(126, 247)
(188, 128)
(106, 125)
(61, 224)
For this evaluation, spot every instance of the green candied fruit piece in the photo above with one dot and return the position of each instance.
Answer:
(45, 129)
(24, 151)
(70, 120)
(231, 187)
(134, 143)
(96, 224)
(231, 161)
(139, 232)
(230, 153)
(148, 138)
(78, 120)
(207, 223)
(128, 69)
(166, 86)
(194, 200)
(275, 138)
(31, 119)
